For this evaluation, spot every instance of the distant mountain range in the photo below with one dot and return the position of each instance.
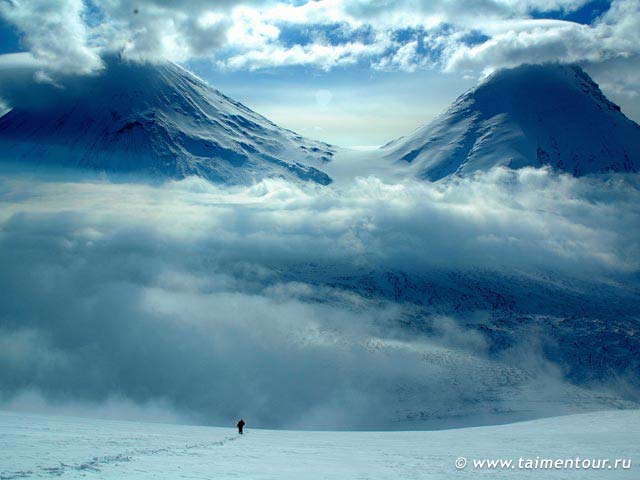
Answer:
(161, 120)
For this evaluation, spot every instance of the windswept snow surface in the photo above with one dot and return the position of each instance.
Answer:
(157, 120)
(532, 115)
(35, 446)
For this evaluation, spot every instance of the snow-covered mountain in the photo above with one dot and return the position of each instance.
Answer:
(159, 120)
(532, 115)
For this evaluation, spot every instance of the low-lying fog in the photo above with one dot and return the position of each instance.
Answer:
(181, 301)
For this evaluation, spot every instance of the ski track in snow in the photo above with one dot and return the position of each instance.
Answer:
(95, 464)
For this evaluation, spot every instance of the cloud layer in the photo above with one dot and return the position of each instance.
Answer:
(400, 34)
(217, 302)
(55, 33)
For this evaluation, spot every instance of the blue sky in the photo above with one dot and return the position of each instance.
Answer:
(9, 39)
(351, 106)
(350, 72)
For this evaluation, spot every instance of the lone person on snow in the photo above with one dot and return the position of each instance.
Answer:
(240, 426)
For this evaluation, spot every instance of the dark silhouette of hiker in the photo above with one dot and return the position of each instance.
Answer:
(240, 426)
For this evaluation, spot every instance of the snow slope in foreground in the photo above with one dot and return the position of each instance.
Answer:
(37, 446)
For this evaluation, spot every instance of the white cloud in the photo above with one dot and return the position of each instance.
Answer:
(279, 301)
(154, 30)
(54, 32)
(65, 36)
(514, 37)
(403, 59)
(246, 34)
(615, 35)
(320, 55)
(620, 79)
(569, 43)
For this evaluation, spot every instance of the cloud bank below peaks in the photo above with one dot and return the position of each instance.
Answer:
(274, 301)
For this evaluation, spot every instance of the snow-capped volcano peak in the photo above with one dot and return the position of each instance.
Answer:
(160, 120)
(532, 115)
